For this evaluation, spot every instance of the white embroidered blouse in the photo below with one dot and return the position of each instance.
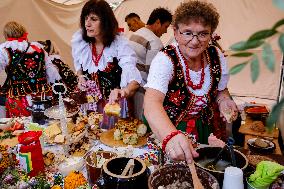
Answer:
(51, 71)
(119, 48)
(161, 72)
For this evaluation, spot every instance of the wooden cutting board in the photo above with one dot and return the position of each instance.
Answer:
(107, 139)
(11, 142)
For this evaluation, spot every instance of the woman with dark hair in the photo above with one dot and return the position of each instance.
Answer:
(27, 67)
(104, 55)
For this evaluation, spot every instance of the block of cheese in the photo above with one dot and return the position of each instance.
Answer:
(52, 130)
(59, 139)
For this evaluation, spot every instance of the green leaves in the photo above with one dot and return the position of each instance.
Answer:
(258, 39)
(275, 113)
(281, 42)
(277, 24)
(244, 45)
(268, 56)
(236, 69)
(242, 54)
(262, 34)
(254, 68)
(279, 4)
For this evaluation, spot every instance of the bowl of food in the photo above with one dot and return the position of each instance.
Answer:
(208, 154)
(94, 161)
(261, 145)
(71, 164)
(278, 183)
(250, 186)
(179, 176)
(257, 112)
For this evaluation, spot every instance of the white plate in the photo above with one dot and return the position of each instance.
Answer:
(54, 112)
(252, 141)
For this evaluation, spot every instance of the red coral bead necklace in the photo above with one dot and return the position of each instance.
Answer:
(96, 57)
(187, 70)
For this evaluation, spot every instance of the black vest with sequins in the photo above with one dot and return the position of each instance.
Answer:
(108, 79)
(179, 100)
(27, 76)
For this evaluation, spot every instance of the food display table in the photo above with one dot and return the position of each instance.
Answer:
(249, 133)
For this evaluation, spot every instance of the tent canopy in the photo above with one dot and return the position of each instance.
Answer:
(57, 20)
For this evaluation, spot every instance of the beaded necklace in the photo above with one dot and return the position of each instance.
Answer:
(189, 82)
(96, 57)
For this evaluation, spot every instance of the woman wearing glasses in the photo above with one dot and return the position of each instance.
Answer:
(187, 84)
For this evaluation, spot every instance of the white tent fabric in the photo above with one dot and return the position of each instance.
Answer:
(46, 19)
(239, 19)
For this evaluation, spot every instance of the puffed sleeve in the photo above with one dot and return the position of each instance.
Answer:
(160, 73)
(224, 70)
(127, 61)
(4, 58)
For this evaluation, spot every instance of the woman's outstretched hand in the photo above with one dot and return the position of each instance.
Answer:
(228, 110)
(117, 94)
(179, 148)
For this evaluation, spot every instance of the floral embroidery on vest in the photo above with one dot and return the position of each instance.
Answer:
(27, 76)
(179, 100)
(108, 79)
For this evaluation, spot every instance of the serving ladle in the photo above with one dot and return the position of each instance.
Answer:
(229, 146)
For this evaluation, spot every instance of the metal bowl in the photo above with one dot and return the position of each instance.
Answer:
(178, 172)
(210, 153)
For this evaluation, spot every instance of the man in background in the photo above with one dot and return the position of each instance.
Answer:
(134, 22)
(146, 43)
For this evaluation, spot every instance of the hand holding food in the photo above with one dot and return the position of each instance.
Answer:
(228, 109)
(112, 109)
(117, 94)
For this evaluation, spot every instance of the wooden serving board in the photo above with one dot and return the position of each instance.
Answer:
(107, 139)
(11, 142)
(246, 129)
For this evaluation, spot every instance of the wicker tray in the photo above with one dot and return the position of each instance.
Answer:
(107, 139)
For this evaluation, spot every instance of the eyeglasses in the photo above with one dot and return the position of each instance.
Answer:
(201, 36)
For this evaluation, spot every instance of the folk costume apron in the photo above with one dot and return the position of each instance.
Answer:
(26, 74)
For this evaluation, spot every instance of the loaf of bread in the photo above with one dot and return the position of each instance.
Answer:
(112, 109)
(260, 143)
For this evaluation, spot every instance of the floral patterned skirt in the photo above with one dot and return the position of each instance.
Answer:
(17, 107)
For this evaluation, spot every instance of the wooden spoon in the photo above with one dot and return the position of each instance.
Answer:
(196, 182)
(129, 167)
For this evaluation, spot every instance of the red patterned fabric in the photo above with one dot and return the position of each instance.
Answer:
(30, 143)
(17, 107)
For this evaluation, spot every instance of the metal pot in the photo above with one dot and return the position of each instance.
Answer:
(212, 152)
(38, 107)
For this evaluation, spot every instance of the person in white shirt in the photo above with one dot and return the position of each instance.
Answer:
(146, 43)
(186, 89)
(134, 22)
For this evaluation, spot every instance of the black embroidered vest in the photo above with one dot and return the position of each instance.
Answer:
(27, 76)
(108, 79)
(179, 100)
(68, 77)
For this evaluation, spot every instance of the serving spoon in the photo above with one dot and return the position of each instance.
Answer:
(196, 182)
(212, 164)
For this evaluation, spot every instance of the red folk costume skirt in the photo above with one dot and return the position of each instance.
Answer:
(17, 107)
